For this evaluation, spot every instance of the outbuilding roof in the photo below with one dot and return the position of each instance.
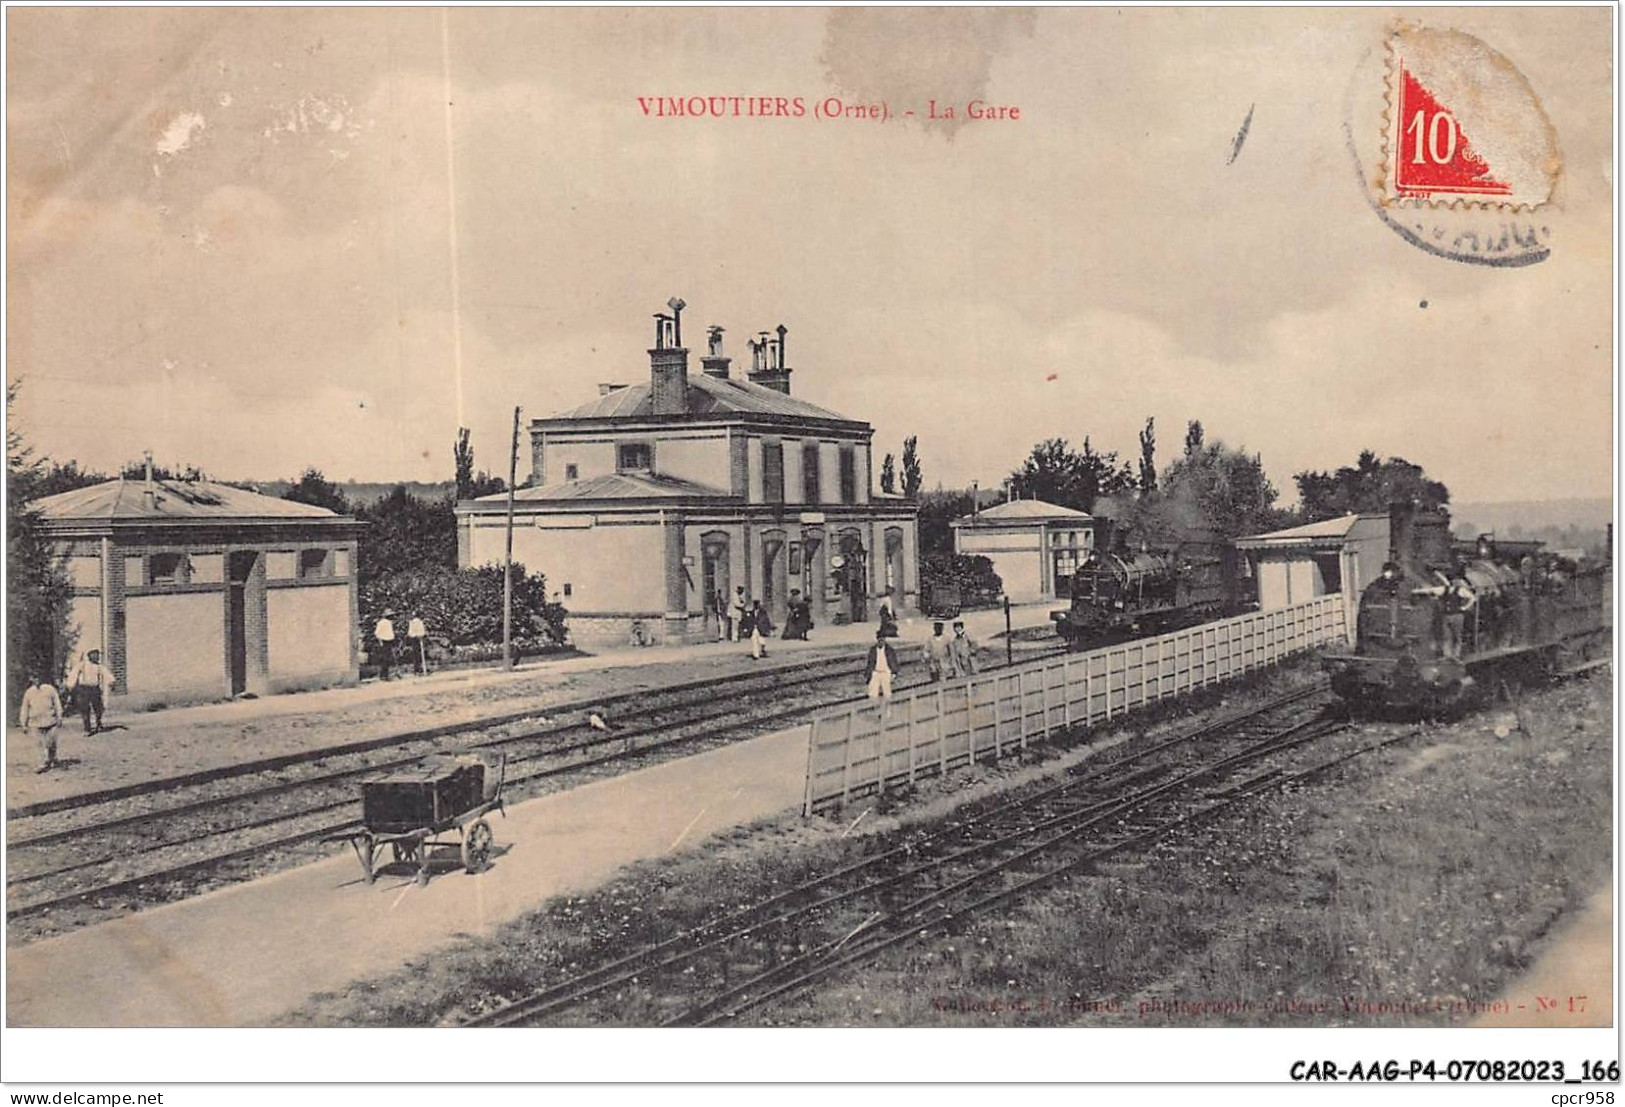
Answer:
(707, 396)
(1325, 532)
(177, 500)
(1017, 512)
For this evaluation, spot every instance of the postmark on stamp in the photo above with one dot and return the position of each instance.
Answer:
(1463, 125)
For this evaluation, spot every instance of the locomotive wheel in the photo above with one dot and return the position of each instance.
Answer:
(477, 846)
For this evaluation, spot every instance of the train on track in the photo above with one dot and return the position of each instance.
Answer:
(1120, 593)
(1449, 617)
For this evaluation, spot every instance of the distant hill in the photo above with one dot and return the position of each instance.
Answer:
(1588, 514)
(367, 493)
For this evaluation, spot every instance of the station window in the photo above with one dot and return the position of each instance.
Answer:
(313, 563)
(166, 568)
(849, 475)
(633, 457)
(809, 473)
(773, 472)
(567, 588)
(572, 472)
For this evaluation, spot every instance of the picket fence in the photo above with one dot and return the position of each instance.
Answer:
(936, 728)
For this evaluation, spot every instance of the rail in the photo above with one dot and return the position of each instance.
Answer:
(932, 730)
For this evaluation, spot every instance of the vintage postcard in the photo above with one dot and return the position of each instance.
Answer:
(1093, 518)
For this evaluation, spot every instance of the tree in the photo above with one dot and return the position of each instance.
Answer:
(404, 533)
(137, 470)
(1148, 457)
(1058, 474)
(1193, 437)
(913, 478)
(39, 632)
(315, 489)
(1216, 489)
(1368, 485)
(888, 475)
(938, 510)
(463, 607)
(470, 486)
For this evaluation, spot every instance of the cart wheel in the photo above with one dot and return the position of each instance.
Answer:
(405, 852)
(477, 846)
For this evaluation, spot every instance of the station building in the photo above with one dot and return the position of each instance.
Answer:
(1035, 546)
(195, 590)
(646, 503)
(1333, 555)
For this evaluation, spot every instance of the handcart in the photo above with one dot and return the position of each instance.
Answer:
(440, 803)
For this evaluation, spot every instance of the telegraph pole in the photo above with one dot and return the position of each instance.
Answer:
(507, 553)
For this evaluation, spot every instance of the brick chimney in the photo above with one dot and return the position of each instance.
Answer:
(713, 363)
(768, 367)
(668, 363)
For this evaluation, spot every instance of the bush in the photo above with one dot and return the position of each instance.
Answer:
(463, 607)
(978, 584)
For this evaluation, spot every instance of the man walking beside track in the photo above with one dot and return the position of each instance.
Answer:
(89, 685)
(41, 714)
(882, 663)
(961, 653)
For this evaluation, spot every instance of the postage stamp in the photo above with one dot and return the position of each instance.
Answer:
(1464, 127)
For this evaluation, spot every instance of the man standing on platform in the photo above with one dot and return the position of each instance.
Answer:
(384, 634)
(90, 684)
(40, 716)
(961, 653)
(417, 643)
(936, 654)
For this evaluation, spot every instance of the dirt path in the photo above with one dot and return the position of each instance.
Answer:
(1571, 982)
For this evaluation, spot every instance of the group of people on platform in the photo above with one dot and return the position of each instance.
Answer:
(747, 620)
(88, 685)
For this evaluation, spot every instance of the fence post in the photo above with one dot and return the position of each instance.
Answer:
(970, 723)
(1021, 707)
(807, 799)
(1088, 697)
(846, 768)
(942, 734)
(1066, 693)
(911, 700)
(998, 722)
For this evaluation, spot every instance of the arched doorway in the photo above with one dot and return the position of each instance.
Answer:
(895, 581)
(852, 576)
(714, 579)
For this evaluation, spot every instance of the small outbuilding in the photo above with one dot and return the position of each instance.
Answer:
(1333, 555)
(194, 590)
(1035, 546)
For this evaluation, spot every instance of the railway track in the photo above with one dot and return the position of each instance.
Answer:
(233, 830)
(791, 940)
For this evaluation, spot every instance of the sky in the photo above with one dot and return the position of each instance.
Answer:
(260, 240)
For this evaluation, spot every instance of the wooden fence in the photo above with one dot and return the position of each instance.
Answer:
(938, 727)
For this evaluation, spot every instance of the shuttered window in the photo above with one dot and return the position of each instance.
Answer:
(809, 473)
(849, 475)
(773, 472)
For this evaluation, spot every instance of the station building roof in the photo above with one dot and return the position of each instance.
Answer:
(708, 397)
(1022, 512)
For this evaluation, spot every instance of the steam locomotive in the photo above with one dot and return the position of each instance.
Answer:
(1447, 616)
(1118, 593)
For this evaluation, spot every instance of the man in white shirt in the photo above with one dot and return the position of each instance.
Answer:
(882, 663)
(41, 714)
(417, 637)
(90, 684)
(384, 634)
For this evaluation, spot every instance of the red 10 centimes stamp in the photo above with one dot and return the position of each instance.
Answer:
(1464, 127)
